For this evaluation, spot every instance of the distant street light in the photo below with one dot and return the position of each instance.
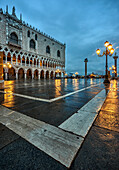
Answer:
(109, 51)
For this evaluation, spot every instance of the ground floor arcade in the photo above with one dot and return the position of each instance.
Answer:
(13, 73)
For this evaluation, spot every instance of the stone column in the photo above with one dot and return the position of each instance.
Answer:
(39, 63)
(16, 75)
(32, 62)
(115, 62)
(44, 74)
(38, 75)
(5, 58)
(25, 76)
(21, 60)
(25, 60)
(86, 60)
(32, 75)
(29, 62)
(6, 75)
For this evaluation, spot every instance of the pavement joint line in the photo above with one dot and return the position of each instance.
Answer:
(50, 100)
(105, 128)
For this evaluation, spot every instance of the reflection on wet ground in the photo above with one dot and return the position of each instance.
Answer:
(109, 115)
(56, 112)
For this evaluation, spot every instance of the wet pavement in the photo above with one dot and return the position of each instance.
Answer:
(100, 149)
(49, 89)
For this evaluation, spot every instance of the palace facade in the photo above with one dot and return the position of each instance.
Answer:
(28, 52)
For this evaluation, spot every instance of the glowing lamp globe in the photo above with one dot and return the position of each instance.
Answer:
(112, 51)
(106, 43)
(109, 46)
(98, 51)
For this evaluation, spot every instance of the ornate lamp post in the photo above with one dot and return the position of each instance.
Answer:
(115, 61)
(109, 51)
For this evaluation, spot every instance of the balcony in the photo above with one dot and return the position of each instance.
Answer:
(18, 64)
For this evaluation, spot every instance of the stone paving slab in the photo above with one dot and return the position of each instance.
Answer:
(108, 120)
(57, 143)
(21, 155)
(99, 151)
(79, 123)
(6, 136)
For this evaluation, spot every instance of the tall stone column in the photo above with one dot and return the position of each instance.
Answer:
(25, 60)
(16, 75)
(39, 63)
(25, 74)
(32, 75)
(86, 60)
(6, 75)
(115, 62)
(21, 60)
(29, 62)
(39, 75)
(5, 58)
(32, 62)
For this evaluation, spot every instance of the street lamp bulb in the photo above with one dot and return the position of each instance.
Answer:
(106, 43)
(98, 51)
(112, 51)
(109, 46)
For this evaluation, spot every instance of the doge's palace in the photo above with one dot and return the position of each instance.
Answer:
(28, 52)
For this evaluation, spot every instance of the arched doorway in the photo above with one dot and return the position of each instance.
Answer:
(36, 74)
(11, 74)
(23, 60)
(59, 74)
(19, 59)
(47, 74)
(14, 59)
(42, 74)
(51, 74)
(29, 74)
(27, 60)
(21, 73)
(55, 74)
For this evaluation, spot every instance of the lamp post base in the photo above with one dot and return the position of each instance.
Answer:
(106, 81)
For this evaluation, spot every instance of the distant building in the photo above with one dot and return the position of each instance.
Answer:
(29, 52)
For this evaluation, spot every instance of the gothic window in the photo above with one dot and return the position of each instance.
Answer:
(35, 36)
(0, 19)
(58, 53)
(48, 49)
(13, 38)
(28, 33)
(32, 44)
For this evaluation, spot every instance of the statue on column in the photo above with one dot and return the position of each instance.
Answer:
(13, 11)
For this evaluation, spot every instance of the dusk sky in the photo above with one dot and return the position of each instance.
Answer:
(84, 25)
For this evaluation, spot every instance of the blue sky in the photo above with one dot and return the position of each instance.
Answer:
(84, 25)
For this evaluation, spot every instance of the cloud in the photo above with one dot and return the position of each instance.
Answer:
(83, 25)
